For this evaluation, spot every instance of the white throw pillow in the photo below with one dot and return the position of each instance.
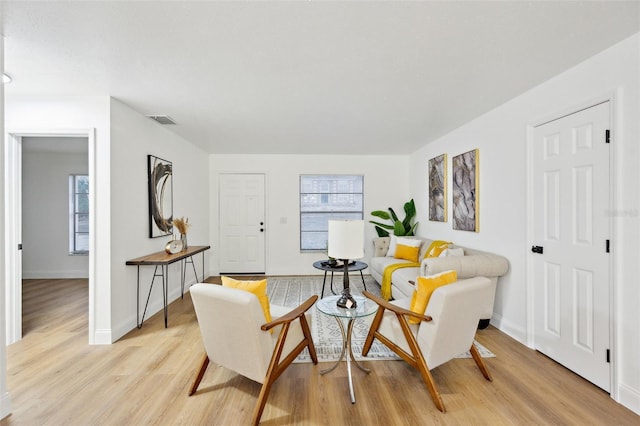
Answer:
(393, 242)
(410, 242)
(452, 252)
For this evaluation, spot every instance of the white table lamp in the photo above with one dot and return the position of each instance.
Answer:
(346, 241)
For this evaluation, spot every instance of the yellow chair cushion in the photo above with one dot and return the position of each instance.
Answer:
(436, 247)
(259, 288)
(425, 288)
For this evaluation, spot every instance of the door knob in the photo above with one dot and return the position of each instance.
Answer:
(537, 249)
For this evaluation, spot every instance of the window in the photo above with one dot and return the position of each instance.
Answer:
(325, 197)
(78, 214)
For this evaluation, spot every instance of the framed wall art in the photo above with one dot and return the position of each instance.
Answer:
(438, 188)
(465, 191)
(160, 196)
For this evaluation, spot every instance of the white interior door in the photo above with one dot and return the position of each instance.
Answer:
(242, 223)
(13, 235)
(571, 263)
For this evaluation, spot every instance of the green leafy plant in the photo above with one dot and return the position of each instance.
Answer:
(398, 227)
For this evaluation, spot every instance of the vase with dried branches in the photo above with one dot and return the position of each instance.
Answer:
(182, 224)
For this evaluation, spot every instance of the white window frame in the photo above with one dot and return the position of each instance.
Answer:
(73, 214)
(336, 196)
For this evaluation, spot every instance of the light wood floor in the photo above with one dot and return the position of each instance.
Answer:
(55, 378)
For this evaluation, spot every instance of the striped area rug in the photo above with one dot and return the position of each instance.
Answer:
(327, 338)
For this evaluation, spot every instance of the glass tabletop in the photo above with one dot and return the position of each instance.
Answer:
(365, 307)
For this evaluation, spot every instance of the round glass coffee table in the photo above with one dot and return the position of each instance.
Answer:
(365, 307)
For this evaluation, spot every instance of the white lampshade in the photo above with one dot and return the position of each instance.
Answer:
(346, 239)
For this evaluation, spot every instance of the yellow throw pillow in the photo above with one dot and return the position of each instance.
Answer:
(259, 288)
(425, 288)
(436, 247)
(407, 252)
(408, 249)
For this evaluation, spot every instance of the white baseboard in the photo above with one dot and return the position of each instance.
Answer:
(629, 397)
(509, 328)
(5, 405)
(123, 328)
(43, 275)
(154, 307)
(102, 337)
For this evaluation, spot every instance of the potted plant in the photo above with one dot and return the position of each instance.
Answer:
(398, 227)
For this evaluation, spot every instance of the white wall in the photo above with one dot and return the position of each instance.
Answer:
(45, 214)
(133, 137)
(501, 136)
(47, 114)
(5, 399)
(385, 179)
(122, 144)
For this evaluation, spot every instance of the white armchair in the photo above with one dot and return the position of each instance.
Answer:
(235, 336)
(446, 330)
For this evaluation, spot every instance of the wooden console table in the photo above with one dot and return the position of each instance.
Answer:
(162, 260)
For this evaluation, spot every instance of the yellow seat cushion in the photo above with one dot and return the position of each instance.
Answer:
(425, 288)
(259, 288)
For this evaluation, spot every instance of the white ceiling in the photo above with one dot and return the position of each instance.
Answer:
(305, 77)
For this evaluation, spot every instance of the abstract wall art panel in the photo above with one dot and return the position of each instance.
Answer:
(438, 188)
(160, 197)
(465, 191)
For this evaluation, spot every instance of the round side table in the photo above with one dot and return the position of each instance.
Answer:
(323, 265)
(365, 307)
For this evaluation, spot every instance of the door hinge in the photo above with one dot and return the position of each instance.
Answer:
(20, 246)
(607, 136)
(608, 244)
(608, 355)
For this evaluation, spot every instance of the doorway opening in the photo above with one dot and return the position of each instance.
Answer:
(39, 167)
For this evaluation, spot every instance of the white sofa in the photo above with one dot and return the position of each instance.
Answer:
(474, 263)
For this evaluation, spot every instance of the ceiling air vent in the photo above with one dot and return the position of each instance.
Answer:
(162, 119)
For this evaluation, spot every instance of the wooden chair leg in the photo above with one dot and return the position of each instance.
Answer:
(273, 372)
(431, 384)
(262, 401)
(372, 331)
(203, 368)
(480, 362)
(307, 335)
(421, 364)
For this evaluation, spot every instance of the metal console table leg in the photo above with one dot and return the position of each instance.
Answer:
(164, 275)
(183, 272)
